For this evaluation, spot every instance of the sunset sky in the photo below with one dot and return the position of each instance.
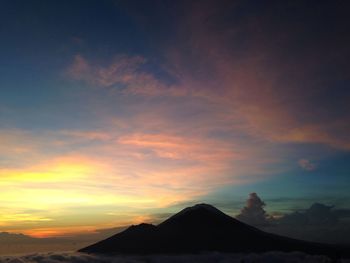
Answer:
(119, 112)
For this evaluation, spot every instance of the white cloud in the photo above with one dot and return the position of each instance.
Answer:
(253, 213)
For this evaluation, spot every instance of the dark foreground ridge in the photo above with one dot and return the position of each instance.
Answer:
(202, 228)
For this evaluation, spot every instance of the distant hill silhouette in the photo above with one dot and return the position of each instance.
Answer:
(202, 228)
(12, 237)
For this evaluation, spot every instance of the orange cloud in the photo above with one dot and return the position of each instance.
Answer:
(107, 174)
(176, 147)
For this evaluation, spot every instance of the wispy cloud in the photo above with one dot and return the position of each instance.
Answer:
(307, 165)
(124, 73)
(115, 169)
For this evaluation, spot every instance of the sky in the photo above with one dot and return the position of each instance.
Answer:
(118, 112)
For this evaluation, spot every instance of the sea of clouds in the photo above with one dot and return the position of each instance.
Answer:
(271, 257)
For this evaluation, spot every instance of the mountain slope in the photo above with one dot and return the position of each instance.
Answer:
(202, 228)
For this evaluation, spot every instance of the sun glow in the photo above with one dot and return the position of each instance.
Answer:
(62, 169)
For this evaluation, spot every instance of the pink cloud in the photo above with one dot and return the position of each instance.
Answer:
(80, 69)
(307, 165)
(261, 94)
(246, 88)
(179, 147)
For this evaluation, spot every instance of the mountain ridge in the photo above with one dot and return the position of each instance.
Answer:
(202, 228)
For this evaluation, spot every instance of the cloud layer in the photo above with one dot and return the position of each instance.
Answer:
(214, 257)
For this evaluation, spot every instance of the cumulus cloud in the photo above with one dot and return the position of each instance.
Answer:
(205, 258)
(253, 213)
(316, 214)
(318, 223)
(307, 164)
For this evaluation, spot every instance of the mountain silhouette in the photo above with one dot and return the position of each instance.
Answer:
(202, 228)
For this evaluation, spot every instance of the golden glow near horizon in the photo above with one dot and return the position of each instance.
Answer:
(61, 195)
(115, 177)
